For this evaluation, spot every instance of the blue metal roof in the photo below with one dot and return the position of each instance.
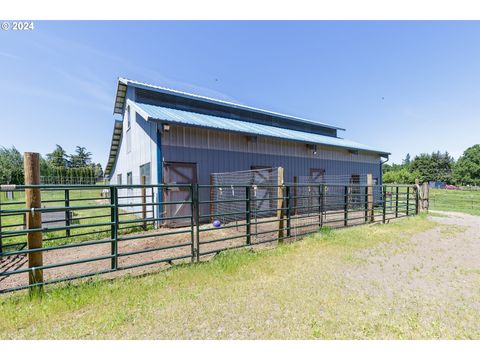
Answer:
(123, 83)
(187, 118)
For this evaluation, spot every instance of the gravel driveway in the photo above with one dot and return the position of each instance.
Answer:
(435, 273)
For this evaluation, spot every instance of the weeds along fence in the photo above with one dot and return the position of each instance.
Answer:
(88, 230)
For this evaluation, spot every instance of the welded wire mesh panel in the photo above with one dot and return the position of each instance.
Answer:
(335, 193)
(229, 189)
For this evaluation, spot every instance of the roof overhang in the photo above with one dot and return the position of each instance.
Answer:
(124, 83)
(114, 146)
(185, 118)
(120, 97)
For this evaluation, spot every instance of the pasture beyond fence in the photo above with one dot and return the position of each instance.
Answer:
(55, 233)
(462, 200)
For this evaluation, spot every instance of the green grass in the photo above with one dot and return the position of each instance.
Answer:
(455, 200)
(296, 290)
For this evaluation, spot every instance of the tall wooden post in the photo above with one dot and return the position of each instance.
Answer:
(417, 200)
(425, 196)
(371, 214)
(144, 201)
(280, 211)
(420, 195)
(33, 201)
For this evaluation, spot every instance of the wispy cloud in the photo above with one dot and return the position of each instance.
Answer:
(90, 86)
(156, 78)
(9, 55)
(91, 83)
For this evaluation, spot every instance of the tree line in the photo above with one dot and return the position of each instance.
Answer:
(436, 166)
(56, 167)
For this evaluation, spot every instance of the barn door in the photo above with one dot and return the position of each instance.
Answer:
(317, 175)
(178, 173)
(262, 176)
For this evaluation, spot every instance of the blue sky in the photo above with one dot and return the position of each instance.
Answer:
(400, 86)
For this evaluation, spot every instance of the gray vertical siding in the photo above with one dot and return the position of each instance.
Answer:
(212, 161)
(216, 151)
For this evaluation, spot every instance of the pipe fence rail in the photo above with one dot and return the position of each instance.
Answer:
(89, 230)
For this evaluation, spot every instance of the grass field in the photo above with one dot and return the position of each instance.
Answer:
(56, 198)
(309, 289)
(455, 200)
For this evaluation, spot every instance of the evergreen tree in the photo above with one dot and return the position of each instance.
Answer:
(81, 158)
(58, 157)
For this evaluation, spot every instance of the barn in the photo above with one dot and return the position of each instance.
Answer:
(170, 136)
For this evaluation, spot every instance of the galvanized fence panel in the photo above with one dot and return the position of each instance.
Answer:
(90, 230)
(93, 230)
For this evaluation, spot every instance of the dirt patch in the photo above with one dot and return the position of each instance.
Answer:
(440, 265)
(145, 252)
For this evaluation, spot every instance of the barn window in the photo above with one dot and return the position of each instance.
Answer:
(128, 131)
(119, 179)
(128, 117)
(145, 171)
(129, 178)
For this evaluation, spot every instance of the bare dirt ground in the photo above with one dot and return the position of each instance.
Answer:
(439, 267)
(146, 248)
(415, 279)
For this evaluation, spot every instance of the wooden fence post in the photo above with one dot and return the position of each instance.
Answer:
(280, 211)
(143, 180)
(371, 214)
(425, 196)
(419, 192)
(33, 201)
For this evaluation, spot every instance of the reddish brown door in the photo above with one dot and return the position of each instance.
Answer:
(176, 173)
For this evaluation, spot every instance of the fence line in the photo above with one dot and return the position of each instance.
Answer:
(96, 229)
